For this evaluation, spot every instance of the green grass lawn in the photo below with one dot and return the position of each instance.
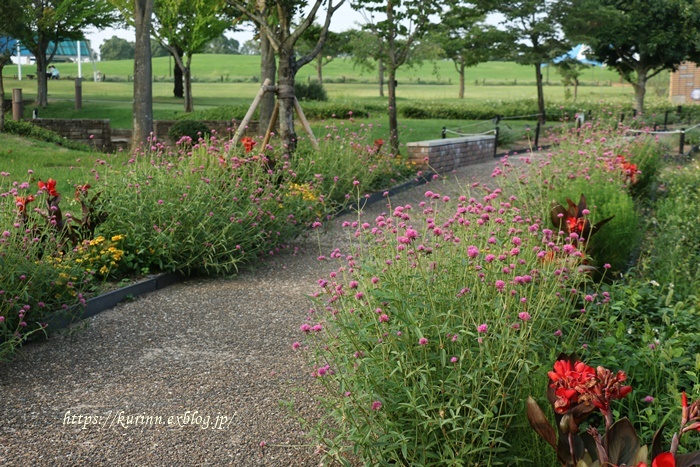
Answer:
(208, 67)
(19, 156)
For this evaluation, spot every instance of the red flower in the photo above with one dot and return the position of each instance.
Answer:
(248, 143)
(570, 380)
(81, 190)
(665, 459)
(629, 168)
(378, 143)
(571, 219)
(49, 186)
(608, 388)
(22, 201)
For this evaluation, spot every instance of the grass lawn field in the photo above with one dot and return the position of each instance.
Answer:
(247, 68)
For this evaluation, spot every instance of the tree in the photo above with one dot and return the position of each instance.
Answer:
(39, 23)
(116, 48)
(184, 27)
(157, 50)
(138, 13)
(283, 40)
(331, 47)
(368, 54)
(570, 70)
(401, 26)
(222, 45)
(5, 56)
(535, 33)
(466, 39)
(638, 38)
(250, 47)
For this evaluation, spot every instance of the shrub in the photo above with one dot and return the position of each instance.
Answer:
(190, 128)
(313, 91)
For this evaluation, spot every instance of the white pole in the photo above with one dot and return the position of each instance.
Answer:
(19, 62)
(80, 67)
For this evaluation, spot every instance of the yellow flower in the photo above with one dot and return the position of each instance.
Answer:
(104, 270)
(116, 238)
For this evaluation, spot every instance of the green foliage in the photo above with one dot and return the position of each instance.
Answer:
(116, 48)
(192, 129)
(313, 91)
(30, 130)
(673, 243)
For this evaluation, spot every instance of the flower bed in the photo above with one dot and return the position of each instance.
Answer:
(200, 208)
(436, 325)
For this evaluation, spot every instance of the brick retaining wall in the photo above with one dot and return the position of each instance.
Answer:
(444, 155)
(93, 132)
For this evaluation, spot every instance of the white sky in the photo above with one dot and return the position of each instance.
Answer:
(343, 19)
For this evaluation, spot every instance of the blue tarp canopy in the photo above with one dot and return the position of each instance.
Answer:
(65, 49)
(578, 53)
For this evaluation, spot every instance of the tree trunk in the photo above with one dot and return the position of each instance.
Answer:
(319, 69)
(178, 88)
(143, 74)
(575, 89)
(268, 69)
(393, 121)
(461, 79)
(380, 67)
(540, 92)
(285, 97)
(640, 89)
(2, 97)
(42, 90)
(187, 72)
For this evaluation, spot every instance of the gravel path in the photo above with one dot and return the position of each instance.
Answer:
(189, 375)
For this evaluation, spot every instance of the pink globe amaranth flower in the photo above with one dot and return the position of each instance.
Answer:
(648, 399)
(422, 341)
(454, 359)
(524, 315)
(305, 327)
(482, 328)
(376, 405)
(296, 345)
(383, 318)
(558, 333)
(472, 251)
(500, 285)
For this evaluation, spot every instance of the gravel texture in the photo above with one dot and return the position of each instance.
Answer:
(189, 375)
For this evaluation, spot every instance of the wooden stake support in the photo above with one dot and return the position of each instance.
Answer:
(266, 87)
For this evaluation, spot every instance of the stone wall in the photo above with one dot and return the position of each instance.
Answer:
(444, 155)
(93, 132)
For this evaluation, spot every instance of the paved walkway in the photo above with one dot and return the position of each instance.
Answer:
(189, 375)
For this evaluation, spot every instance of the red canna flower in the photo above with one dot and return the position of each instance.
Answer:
(570, 380)
(248, 143)
(608, 387)
(378, 143)
(81, 190)
(628, 168)
(665, 459)
(571, 219)
(22, 201)
(49, 186)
